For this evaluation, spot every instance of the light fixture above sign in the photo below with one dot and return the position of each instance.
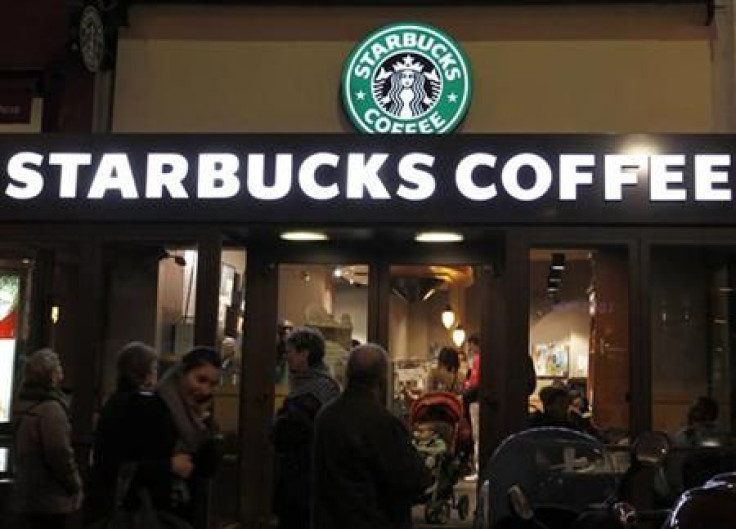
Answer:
(303, 236)
(406, 78)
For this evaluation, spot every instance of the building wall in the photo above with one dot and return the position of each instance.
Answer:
(577, 69)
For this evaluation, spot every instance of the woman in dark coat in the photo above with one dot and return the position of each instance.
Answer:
(47, 486)
(137, 367)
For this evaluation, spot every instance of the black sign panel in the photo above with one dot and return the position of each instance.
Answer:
(370, 180)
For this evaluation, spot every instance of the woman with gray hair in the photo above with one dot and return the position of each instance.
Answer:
(48, 487)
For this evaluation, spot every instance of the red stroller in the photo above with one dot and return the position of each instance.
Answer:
(440, 433)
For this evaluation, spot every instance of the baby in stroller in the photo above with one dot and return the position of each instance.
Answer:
(435, 422)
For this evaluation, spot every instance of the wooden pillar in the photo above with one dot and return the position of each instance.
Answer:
(209, 250)
(504, 339)
(257, 390)
(42, 284)
(610, 359)
(640, 350)
(379, 291)
(89, 340)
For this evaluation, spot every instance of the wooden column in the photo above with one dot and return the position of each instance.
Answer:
(85, 364)
(640, 350)
(257, 390)
(42, 284)
(379, 277)
(504, 339)
(209, 250)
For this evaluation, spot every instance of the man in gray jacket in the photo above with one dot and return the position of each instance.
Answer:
(47, 487)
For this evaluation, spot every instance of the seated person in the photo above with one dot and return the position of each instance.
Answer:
(555, 406)
(702, 428)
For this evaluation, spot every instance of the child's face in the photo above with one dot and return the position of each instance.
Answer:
(423, 434)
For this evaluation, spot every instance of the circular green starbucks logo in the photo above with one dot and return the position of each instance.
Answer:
(406, 78)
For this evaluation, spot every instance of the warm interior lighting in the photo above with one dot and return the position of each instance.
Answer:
(458, 336)
(438, 236)
(448, 317)
(303, 236)
(55, 313)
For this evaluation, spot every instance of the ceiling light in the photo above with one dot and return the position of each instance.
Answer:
(438, 236)
(458, 336)
(303, 236)
(337, 272)
(448, 317)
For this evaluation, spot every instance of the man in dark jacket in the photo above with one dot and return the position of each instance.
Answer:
(366, 474)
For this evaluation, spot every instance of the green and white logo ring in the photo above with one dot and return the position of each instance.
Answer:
(408, 78)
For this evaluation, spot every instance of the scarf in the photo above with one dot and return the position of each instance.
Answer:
(193, 432)
(315, 381)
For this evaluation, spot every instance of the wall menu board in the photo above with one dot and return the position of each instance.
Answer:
(9, 307)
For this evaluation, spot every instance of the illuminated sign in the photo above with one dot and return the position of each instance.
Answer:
(406, 78)
(469, 179)
(524, 177)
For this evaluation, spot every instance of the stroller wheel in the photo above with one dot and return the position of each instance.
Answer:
(437, 512)
(463, 507)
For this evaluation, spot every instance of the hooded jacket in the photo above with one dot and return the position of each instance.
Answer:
(47, 479)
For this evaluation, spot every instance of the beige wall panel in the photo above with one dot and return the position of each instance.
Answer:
(594, 86)
(278, 70)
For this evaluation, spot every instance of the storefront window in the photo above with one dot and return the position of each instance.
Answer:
(579, 340)
(331, 298)
(150, 298)
(432, 307)
(693, 317)
(10, 315)
(231, 312)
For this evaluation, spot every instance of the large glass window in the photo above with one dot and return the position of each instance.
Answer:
(693, 318)
(11, 316)
(331, 298)
(579, 340)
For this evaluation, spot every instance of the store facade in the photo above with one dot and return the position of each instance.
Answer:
(230, 131)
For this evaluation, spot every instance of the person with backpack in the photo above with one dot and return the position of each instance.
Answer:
(48, 487)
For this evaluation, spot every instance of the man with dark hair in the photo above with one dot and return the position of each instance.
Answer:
(367, 473)
(310, 387)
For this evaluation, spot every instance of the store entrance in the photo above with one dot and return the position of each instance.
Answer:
(434, 342)
(419, 310)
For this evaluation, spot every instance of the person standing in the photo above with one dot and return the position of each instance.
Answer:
(470, 400)
(367, 473)
(168, 436)
(137, 370)
(310, 387)
(48, 488)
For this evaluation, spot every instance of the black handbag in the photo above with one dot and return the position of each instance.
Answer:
(143, 514)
